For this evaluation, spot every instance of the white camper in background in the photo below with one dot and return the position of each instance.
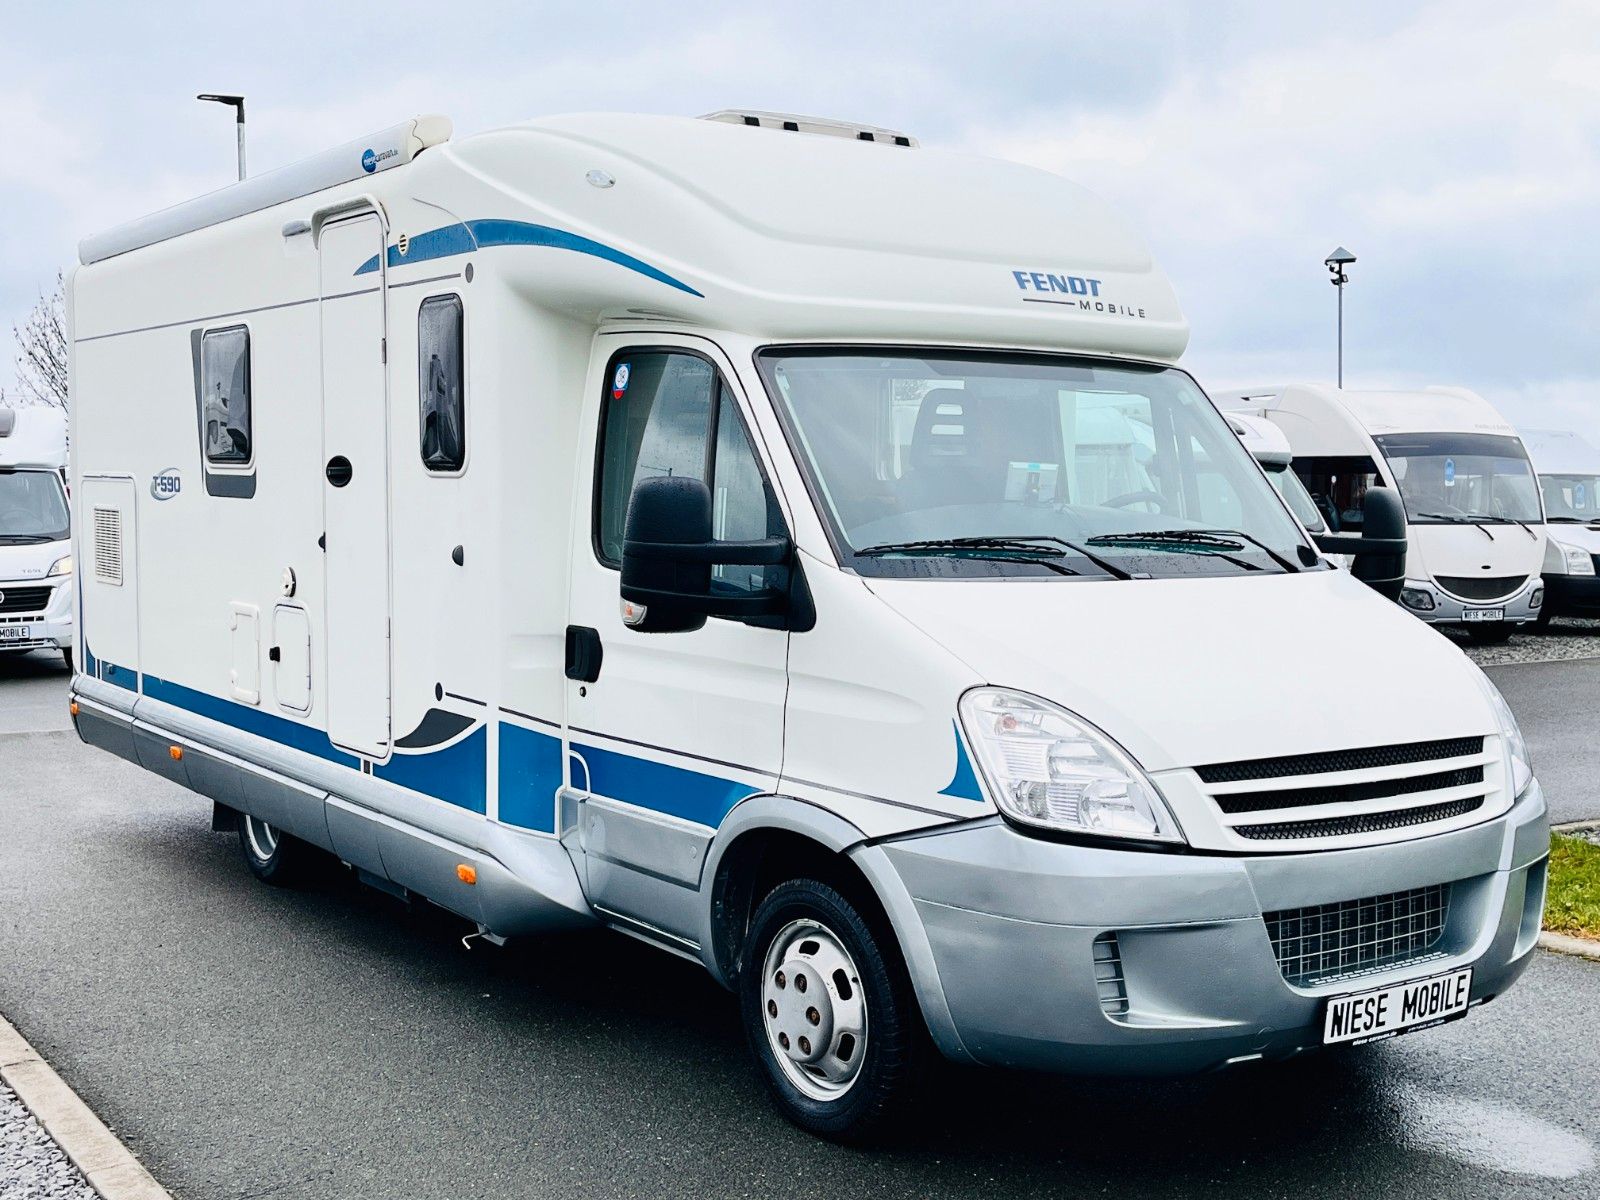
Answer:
(1475, 526)
(35, 553)
(863, 603)
(1569, 478)
(1269, 446)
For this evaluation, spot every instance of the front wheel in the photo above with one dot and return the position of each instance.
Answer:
(66, 656)
(829, 1012)
(1492, 634)
(272, 855)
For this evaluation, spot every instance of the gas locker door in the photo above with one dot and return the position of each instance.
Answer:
(355, 485)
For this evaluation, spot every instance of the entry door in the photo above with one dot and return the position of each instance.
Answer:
(355, 486)
(675, 729)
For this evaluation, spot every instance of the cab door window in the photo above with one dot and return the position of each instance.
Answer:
(669, 413)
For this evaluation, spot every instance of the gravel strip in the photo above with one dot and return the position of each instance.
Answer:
(1563, 639)
(32, 1166)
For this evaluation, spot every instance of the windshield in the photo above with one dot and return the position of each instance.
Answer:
(1569, 498)
(949, 464)
(1479, 478)
(1295, 496)
(33, 508)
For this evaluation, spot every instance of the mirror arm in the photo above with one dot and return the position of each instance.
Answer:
(754, 604)
(1356, 544)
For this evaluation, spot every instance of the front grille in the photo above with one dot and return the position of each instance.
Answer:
(1364, 759)
(1282, 831)
(24, 599)
(1482, 587)
(1323, 941)
(1381, 789)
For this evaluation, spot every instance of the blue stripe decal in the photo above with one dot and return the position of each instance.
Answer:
(964, 784)
(122, 677)
(450, 240)
(691, 795)
(250, 720)
(457, 774)
(530, 774)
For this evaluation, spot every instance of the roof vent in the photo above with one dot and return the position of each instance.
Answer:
(794, 123)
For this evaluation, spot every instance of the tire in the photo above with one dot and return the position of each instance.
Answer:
(807, 943)
(1542, 621)
(273, 856)
(67, 657)
(1490, 635)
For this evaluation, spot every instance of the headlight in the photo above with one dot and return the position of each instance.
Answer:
(1417, 599)
(62, 565)
(1576, 558)
(1516, 746)
(1048, 768)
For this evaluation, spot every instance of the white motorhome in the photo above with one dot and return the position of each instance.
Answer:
(1269, 446)
(1475, 526)
(35, 551)
(786, 545)
(1568, 467)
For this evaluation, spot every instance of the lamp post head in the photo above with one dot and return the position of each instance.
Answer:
(1336, 263)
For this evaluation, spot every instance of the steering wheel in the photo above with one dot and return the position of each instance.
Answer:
(1128, 498)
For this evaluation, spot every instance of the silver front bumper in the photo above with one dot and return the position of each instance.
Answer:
(1448, 610)
(999, 930)
(49, 628)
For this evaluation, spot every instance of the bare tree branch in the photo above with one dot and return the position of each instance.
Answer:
(41, 354)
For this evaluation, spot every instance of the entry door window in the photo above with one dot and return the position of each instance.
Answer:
(670, 414)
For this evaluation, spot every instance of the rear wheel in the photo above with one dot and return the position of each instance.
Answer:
(1490, 634)
(67, 656)
(829, 1012)
(272, 855)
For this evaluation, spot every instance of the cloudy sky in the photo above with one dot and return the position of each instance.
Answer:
(1454, 147)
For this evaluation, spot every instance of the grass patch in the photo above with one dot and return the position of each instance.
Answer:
(1573, 903)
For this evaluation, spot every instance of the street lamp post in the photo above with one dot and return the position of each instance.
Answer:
(1336, 263)
(237, 104)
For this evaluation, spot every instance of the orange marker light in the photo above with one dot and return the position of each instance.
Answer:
(176, 752)
(467, 874)
(73, 708)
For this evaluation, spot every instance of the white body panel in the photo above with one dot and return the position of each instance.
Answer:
(37, 613)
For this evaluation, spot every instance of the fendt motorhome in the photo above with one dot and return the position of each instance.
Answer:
(35, 553)
(1568, 468)
(1475, 527)
(684, 525)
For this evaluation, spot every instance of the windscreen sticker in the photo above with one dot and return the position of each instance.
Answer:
(619, 381)
(1580, 496)
(1449, 472)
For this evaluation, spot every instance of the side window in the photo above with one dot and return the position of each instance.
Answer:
(1338, 485)
(441, 383)
(225, 395)
(670, 414)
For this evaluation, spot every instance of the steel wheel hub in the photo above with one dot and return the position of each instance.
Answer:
(263, 837)
(814, 1010)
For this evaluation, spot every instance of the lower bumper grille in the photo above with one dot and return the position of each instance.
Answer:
(1322, 941)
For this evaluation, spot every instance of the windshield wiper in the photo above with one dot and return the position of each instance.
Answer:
(26, 539)
(1221, 539)
(1460, 519)
(1039, 548)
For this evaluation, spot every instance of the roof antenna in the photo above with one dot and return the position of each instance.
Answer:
(237, 103)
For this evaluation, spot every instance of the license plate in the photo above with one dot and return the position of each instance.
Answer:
(1405, 1007)
(16, 633)
(1484, 614)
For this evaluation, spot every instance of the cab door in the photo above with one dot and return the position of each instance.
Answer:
(666, 732)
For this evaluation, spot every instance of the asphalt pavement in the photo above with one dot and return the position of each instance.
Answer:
(247, 1041)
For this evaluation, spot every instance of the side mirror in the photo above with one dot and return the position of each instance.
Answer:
(1380, 548)
(667, 559)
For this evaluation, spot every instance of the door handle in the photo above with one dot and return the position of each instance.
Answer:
(584, 653)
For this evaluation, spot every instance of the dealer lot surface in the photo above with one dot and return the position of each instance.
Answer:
(247, 1041)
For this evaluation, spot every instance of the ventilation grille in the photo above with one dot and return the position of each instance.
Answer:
(1108, 979)
(24, 599)
(108, 546)
(1322, 942)
(1489, 587)
(1284, 831)
(1348, 793)
(1364, 759)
